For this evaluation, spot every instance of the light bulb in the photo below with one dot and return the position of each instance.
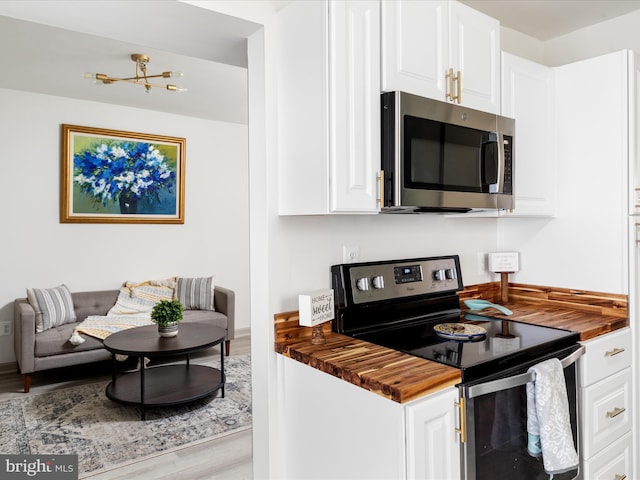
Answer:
(89, 76)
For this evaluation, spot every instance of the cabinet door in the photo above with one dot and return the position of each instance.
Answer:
(474, 50)
(415, 53)
(613, 463)
(354, 105)
(607, 412)
(527, 96)
(433, 448)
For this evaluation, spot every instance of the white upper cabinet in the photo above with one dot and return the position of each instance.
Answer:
(527, 96)
(328, 107)
(440, 50)
(634, 138)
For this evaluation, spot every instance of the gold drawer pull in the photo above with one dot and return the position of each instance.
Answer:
(619, 477)
(613, 352)
(616, 411)
(463, 427)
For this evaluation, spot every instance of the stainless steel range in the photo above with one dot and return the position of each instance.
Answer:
(412, 305)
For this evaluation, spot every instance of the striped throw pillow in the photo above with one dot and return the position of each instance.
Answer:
(53, 306)
(196, 293)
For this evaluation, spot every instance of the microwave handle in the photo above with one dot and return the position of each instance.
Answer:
(498, 186)
(516, 380)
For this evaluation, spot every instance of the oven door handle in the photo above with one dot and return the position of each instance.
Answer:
(517, 380)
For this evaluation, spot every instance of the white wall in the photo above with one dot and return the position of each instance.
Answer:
(306, 247)
(38, 251)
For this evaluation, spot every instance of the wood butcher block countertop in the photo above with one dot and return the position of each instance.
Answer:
(402, 377)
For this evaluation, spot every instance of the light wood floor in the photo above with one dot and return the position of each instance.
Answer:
(228, 458)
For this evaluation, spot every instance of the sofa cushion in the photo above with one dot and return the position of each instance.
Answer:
(53, 306)
(93, 303)
(216, 319)
(54, 342)
(196, 293)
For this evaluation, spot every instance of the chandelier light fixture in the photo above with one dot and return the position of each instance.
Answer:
(141, 77)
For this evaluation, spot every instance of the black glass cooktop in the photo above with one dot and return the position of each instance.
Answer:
(506, 344)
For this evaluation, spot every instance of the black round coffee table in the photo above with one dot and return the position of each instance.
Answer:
(170, 384)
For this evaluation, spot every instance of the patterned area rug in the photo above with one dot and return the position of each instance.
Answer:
(82, 420)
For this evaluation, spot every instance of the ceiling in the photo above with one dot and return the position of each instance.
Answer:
(46, 47)
(547, 19)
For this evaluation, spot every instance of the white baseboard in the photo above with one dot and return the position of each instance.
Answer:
(243, 332)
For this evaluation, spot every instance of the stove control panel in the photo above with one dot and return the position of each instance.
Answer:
(375, 281)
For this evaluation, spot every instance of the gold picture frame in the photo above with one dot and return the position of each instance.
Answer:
(114, 176)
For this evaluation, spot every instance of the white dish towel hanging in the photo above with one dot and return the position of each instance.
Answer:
(548, 419)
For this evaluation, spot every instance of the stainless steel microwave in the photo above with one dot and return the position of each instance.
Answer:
(441, 157)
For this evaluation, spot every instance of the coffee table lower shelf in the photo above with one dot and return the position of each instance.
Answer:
(165, 385)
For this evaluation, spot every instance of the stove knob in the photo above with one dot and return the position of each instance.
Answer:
(362, 284)
(378, 282)
(450, 273)
(439, 275)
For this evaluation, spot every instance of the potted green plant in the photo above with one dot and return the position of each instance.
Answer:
(167, 314)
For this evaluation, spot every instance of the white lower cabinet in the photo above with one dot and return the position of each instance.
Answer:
(607, 415)
(606, 406)
(331, 429)
(613, 463)
(433, 446)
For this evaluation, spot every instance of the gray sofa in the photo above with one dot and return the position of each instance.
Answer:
(51, 348)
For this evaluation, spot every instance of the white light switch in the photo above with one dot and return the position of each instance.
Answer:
(503, 261)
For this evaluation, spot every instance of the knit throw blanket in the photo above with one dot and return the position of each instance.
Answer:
(132, 309)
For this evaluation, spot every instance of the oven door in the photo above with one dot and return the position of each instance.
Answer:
(495, 414)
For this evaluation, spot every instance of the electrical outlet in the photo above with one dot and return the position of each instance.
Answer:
(5, 328)
(350, 254)
(482, 263)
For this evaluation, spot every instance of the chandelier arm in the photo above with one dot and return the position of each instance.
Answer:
(141, 77)
(140, 81)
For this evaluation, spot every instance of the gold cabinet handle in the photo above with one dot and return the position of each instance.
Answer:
(463, 422)
(454, 79)
(613, 352)
(380, 178)
(449, 76)
(616, 411)
(619, 477)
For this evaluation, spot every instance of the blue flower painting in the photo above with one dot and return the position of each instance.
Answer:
(124, 177)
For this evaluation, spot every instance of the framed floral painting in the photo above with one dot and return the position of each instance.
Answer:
(111, 176)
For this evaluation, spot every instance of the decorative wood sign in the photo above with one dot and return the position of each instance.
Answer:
(315, 307)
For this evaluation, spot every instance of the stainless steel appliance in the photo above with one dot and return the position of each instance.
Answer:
(441, 157)
(402, 304)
